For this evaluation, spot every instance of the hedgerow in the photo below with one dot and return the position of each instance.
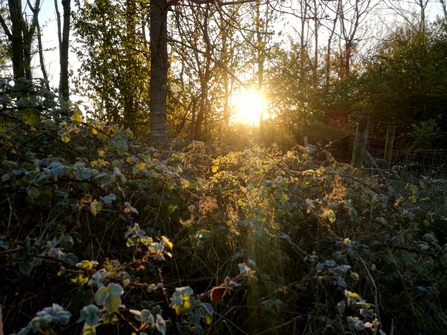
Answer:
(104, 234)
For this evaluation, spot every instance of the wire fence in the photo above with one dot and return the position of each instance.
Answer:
(412, 156)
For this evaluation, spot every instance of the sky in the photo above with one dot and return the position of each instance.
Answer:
(48, 23)
(50, 40)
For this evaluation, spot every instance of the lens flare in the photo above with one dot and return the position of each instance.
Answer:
(249, 108)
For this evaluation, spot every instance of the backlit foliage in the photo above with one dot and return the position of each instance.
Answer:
(103, 234)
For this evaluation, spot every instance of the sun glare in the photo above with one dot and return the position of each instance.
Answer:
(249, 107)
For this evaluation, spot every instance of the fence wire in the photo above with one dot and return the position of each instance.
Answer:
(408, 160)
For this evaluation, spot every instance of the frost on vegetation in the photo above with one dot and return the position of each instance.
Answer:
(301, 238)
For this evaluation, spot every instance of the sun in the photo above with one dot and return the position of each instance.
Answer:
(249, 107)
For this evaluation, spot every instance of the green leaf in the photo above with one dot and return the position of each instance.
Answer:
(79, 280)
(170, 184)
(109, 297)
(161, 324)
(56, 313)
(85, 264)
(77, 116)
(32, 118)
(95, 207)
(98, 278)
(121, 147)
(39, 323)
(167, 242)
(182, 301)
(90, 314)
(109, 198)
(88, 330)
(33, 193)
(208, 312)
(356, 323)
(25, 267)
(129, 133)
(65, 137)
(244, 269)
(108, 317)
(25, 330)
(143, 316)
(330, 215)
(341, 306)
(66, 242)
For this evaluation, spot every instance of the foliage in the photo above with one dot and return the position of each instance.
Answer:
(215, 241)
(115, 67)
(404, 80)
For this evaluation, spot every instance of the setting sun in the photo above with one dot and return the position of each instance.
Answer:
(249, 107)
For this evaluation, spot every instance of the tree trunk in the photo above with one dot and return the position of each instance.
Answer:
(129, 103)
(63, 85)
(17, 26)
(159, 73)
(41, 58)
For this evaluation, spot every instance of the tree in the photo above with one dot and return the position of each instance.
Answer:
(3, 45)
(115, 60)
(405, 80)
(159, 72)
(20, 35)
(63, 35)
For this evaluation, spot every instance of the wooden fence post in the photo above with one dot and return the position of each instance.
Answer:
(388, 154)
(305, 142)
(361, 138)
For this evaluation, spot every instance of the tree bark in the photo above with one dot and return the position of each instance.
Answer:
(17, 26)
(159, 73)
(63, 85)
(129, 103)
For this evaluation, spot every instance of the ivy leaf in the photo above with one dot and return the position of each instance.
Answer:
(31, 118)
(85, 264)
(65, 137)
(109, 198)
(208, 312)
(109, 297)
(356, 323)
(95, 207)
(98, 278)
(167, 242)
(330, 215)
(121, 147)
(244, 269)
(39, 322)
(108, 317)
(129, 133)
(25, 267)
(88, 330)
(33, 193)
(143, 316)
(26, 330)
(77, 116)
(182, 301)
(56, 313)
(66, 242)
(341, 306)
(90, 314)
(161, 324)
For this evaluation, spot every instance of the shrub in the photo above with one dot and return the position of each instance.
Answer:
(103, 234)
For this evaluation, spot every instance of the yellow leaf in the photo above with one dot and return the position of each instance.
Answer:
(95, 207)
(65, 138)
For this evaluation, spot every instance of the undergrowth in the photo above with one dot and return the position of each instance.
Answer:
(101, 233)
